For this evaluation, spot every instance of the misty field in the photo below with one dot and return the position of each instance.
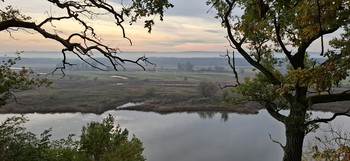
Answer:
(98, 91)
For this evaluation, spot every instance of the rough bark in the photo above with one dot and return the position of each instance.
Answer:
(295, 135)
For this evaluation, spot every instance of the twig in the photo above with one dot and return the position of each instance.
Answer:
(277, 142)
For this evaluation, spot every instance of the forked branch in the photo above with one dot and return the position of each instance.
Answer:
(85, 43)
(327, 120)
(232, 63)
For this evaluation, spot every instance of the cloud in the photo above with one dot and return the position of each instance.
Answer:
(186, 26)
(195, 8)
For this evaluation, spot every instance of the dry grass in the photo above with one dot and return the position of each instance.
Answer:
(97, 92)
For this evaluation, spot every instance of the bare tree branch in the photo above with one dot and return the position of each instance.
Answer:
(227, 86)
(326, 98)
(326, 120)
(88, 41)
(277, 142)
(279, 40)
(226, 21)
(232, 63)
(320, 25)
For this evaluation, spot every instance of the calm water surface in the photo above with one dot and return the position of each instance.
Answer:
(184, 136)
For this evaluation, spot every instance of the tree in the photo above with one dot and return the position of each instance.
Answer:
(87, 42)
(207, 89)
(188, 66)
(99, 141)
(12, 81)
(257, 29)
(104, 141)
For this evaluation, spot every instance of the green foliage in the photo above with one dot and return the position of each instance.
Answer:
(259, 29)
(16, 81)
(104, 141)
(19, 145)
(341, 153)
(266, 27)
(334, 145)
(147, 8)
(99, 142)
(10, 13)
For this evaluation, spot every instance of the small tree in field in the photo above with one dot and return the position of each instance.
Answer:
(207, 89)
(259, 28)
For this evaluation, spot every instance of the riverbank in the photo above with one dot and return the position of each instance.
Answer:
(161, 92)
(162, 106)
(97, 92)
(155, 106)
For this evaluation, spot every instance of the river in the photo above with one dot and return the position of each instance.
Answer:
(187, 136)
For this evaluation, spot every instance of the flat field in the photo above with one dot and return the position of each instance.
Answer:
(98, 91)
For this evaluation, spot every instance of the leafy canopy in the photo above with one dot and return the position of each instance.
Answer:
(291, 79)
(259, 29)
(100, 141)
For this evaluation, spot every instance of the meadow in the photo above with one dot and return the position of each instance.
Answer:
(99, 91)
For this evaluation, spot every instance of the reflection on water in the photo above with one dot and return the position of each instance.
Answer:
(211, 114)
(186, 136)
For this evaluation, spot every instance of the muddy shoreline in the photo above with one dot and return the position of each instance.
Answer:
(147, 106)
(154, 106)
(163, 93)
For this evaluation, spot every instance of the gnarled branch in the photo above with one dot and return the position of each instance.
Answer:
(326, 120)
(238, 45)
(88, 41)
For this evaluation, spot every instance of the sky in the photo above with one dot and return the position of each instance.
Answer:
(186, 27)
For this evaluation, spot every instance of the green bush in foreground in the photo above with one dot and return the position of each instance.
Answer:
(99, 141)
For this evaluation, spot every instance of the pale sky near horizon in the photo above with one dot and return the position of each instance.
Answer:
(186, 27)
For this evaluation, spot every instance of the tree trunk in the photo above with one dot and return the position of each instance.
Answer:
(295, 134)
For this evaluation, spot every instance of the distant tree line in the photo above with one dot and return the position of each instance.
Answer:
(82, 66)
(218, 69)
(188, 66)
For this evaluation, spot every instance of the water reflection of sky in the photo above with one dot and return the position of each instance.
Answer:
(182, 136)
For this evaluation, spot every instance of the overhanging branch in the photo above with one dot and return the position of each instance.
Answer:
(328, 98)
(326, 120)
(85, 42)
(280, 42)
(238, 45)
(232, 64)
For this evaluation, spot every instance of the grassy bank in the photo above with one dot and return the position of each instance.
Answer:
(98, 91)
(162, 92)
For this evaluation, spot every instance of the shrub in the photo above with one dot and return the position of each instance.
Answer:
(106, 142)
(150, 92)
(100, 141)
(207, 89)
